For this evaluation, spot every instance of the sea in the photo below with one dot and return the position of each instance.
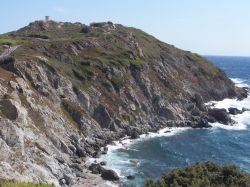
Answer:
(152, 155)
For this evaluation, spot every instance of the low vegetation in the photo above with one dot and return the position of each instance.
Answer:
(8, 41)
(203, 175)
(5, 183)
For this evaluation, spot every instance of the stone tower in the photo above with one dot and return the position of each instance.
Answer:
(46, 18)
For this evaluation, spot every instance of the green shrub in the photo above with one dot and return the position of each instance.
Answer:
(39, 36)
(8, 41)
(118, 82)
(203, 175)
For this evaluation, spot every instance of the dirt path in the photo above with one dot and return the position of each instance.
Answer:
(8, 51)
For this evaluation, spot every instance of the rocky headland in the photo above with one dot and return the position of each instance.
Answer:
(69, 89)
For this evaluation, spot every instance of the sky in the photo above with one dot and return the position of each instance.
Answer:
(207, 27)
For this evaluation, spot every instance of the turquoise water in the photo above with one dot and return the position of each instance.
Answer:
(163, 152)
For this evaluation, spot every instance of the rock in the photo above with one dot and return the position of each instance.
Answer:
(8, 109)
(113, 126)
(109, 175)
(60, 160)
(202, 123)
(134, 162)
(80, 175)
(221, 116)
(80, 151)
(135, 135)
(133, 107)
(96, 168)
(66, 180)
(105, 149)
(234, 111)
(85, 29)
(83, 98)
(242, 93)
(101, 115)
(245, 109)
(103, 163)
(73, 109)
(195, 112)
(62, 182)
(76, 167)
(97, 154)
(199, 102)
(167, 131)
(130, 177)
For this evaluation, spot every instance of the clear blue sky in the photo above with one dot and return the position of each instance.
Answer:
(217, 27)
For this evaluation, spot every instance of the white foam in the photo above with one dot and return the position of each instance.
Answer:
(227, 103)
(111, 184)
(241, 119)
(236, 127)
(126, 142)
(239, 82)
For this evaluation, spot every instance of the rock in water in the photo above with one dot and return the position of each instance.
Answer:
(221, 116)
(109, 175)
(234, 111)
(130, 177)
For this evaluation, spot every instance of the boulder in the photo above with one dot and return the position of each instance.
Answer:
(245, 109)
(199, 102)
(103, 163)
(109, 175)
(8, 109)
(80, 151)
(130, 177)
(234, 111)
(221, 116)
(101, 115)
(202, 123)
(135, 135)
(97, 154)
(96, 168)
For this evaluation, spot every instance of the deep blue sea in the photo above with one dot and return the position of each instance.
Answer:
(161, 152)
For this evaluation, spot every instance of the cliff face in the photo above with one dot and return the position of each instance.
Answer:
(68, 89)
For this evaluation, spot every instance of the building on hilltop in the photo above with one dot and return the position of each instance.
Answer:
(47, 18)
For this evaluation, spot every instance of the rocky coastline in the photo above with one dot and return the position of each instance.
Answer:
(68, 90)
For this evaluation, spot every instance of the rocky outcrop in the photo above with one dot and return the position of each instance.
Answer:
(109, 175)
(221, 116)
(235, 111)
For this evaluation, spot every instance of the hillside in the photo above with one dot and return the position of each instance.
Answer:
(68, 89)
